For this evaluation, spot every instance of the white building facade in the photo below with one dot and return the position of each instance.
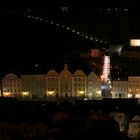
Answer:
(119, 89)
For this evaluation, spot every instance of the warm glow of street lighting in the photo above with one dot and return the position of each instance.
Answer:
(129, 95)
(50, 93)
(25, 93)
(137, 95)
(6, 94)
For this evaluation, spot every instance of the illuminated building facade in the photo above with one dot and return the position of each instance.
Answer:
(133, 86)
(11, 86)
(119, 89)
(52, 84)
(65, 82)
(93, 86)
(34, 85)
(79, 80)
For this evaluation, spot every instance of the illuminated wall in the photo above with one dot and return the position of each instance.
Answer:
(135, 42)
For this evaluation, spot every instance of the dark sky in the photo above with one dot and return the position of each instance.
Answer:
(26, 42)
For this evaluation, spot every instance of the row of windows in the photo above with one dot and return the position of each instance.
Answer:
(120, 90)
(119, 85)
(11, 85)
(12, 90)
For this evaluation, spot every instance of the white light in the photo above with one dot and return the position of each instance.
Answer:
(36, 17)
(73, 30)
(81, 92)
(50, 93)
(52, 22)
(129, 95)
(137, 95)
(57, 24)
(125, 9)
(134, 42)
(86, 37)
(68, 28)
(78, 33)
(29, 16)
(25, 93)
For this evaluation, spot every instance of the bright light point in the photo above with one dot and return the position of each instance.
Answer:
(68, 28)
(41, 19)
(36, 17)
(50, 93)
(137, 95)
(52, 22)
(29, 16)
(7, 94)
(108, 9)
(91, 38)
(86, 37)
(36, 65)
(81, 92)
(134, 42)
(57, 24)
(78, 33)
(73, 30)
(25, 93)
(129, 95)
(125, 9)
(96, 39)
(99, 92)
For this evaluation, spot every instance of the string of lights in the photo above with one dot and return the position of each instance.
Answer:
(85, 36)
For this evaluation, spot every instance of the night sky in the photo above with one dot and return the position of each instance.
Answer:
(26, 42)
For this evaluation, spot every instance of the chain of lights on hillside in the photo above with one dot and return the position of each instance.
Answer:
(92, 38)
